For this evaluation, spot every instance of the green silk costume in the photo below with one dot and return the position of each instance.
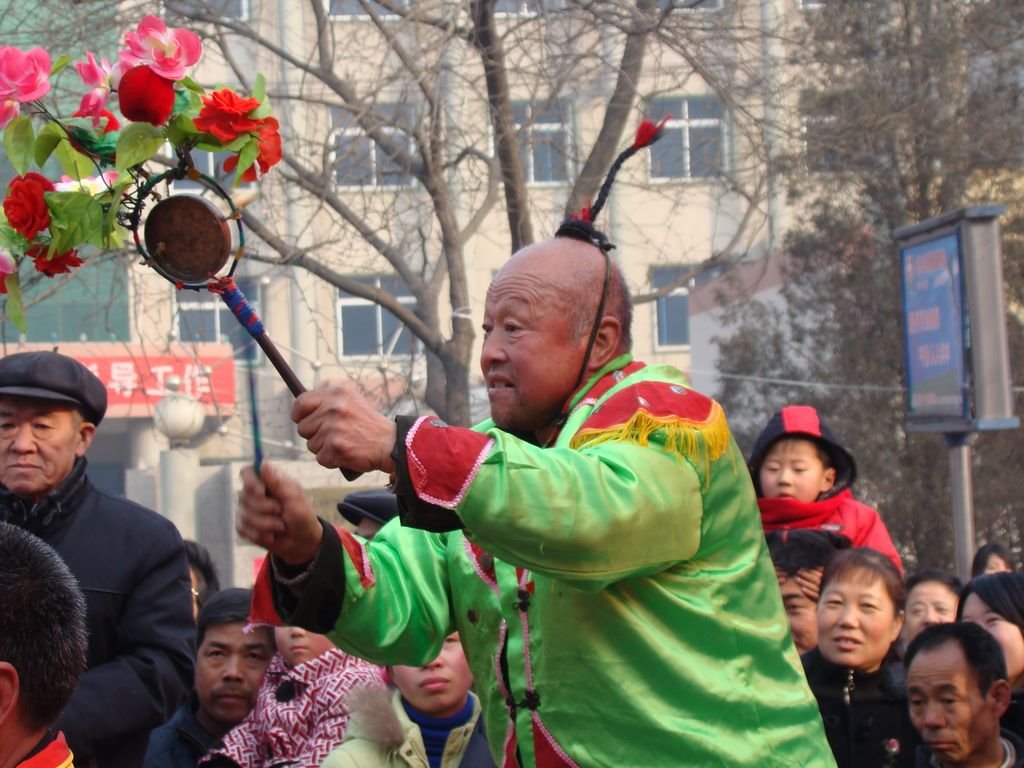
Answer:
(623, 569)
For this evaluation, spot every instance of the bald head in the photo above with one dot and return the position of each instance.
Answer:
(538, 317)
(571, 273)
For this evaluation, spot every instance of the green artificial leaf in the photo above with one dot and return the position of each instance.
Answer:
(259, 88)
(50, 135)
(137, 143)
(192, 85)
(75, 218)
(261, 112)
(74, 163)
(245, 160)
(183, 101)
(181, 129)
(99, 145)
(15, 309)
(19, 143)
(59, 64)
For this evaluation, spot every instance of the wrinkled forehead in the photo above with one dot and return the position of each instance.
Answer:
(546, 270)
(16, 405)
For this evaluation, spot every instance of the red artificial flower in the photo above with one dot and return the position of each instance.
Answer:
(25, 206)
(269, 151)
(58, 264)
(145, 96)
(112, 123)
(224, 114)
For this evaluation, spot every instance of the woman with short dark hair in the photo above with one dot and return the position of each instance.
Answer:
(854, 672)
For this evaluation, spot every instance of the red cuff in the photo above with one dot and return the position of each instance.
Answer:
(442, 460)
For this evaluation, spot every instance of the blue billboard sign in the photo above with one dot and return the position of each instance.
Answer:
(934, 328)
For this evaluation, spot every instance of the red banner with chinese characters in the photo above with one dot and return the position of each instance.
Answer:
(136, 378)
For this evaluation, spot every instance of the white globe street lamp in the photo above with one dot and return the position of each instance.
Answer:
(179, 418)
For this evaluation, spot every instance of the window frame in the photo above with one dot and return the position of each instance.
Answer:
(203, 301)
(214, 163)
(362, 15)
(523, 10)
(344, 300)
(353, 130)
(661, 305)
(664, 5)
(564, 107)
(685, 125)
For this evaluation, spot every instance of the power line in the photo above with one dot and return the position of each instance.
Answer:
(811, 384)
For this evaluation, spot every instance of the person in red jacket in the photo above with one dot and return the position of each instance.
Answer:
(803, 477)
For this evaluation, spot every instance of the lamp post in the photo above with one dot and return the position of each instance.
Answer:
(179, 418)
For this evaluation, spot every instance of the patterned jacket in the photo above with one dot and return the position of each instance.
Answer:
(300, 715)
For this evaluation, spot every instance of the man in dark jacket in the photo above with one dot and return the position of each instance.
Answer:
(229, 669)
(958, 691)
(129, 561)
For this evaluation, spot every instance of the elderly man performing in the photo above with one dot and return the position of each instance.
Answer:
(610, 580)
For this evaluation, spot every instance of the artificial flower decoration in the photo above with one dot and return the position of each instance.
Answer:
(105, 159)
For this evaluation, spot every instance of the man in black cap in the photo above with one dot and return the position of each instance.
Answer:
(369, 511)
(129, 561)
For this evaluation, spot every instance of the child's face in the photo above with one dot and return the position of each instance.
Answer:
(296, 645)
(793, 469)
(440, 688)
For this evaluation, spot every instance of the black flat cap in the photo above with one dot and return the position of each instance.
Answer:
(53, 376)
(378, 505)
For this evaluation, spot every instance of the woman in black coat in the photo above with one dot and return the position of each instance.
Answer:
(854, 673)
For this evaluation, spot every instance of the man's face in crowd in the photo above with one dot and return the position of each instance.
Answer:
(440, 688)
(229, 669)
(928, 603)
(39, 442)
(956, 719)
(802, 614)
(531, 354)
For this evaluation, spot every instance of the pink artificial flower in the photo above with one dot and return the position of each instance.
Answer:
(168, 52)
(94, 185)
(98, 76)
(9, 110)
(8, 266)
(24, 76)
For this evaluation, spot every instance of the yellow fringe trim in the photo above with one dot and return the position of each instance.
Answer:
(701, 441)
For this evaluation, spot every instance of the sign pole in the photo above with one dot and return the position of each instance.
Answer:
(962, 491)
(956, 356)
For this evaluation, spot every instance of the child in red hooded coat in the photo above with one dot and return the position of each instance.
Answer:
(803, 476)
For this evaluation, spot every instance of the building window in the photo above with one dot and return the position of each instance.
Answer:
(92, 305)
(360, 162)
(543, 130)
(693, 143)
(366, 328)
(204, 317)
(210, 164)
(691, 5)
(225, 9)
(350, 8)
(672, 310)
(517, 7)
